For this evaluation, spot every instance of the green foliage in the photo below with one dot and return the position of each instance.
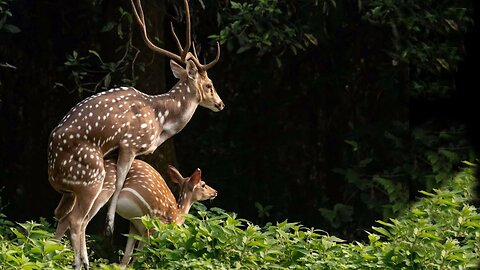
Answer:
(4, 15)
(6, 27)
(265, 25)
(426, 35)
(90, 73)
(391, 160)
(440, 231)
(433, 159)
(30, 246)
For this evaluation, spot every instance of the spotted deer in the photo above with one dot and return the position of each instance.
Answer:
(128, 121)
(145, 193)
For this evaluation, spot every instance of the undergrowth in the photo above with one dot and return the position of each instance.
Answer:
(440, 231)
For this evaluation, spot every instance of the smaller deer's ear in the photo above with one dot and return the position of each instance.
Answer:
(196, 177)
(175, 175)
(178, 71)
(192, 70)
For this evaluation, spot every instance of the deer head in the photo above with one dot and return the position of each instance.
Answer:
(194, 75)
(192, 188)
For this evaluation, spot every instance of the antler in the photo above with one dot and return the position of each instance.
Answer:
(194, 57)
(184, 52)
(206, 66)
(141, 21)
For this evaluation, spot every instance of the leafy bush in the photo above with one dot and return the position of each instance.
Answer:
(441, 231)
(427, 37)
(267, 25)
(434, 155)
(30, 246)
(4, 15)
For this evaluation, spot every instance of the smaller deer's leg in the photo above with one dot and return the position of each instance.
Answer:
(130, 246)
(124, 161)
(61, 213)
(141, 244)
(62, 227)
(65, 205)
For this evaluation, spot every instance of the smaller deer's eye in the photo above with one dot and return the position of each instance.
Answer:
(203, 185)
(209, 87)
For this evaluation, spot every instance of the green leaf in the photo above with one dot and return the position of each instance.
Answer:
(418, 212)
(443, 63)
(382, 231)
(96, 54)
(468, 163)
(363, 163)
(3, 20)
(385, 223)
(10, 28)
(243, 49)
(452, 156)
(311, 38)
(107, 80)
(108, 27)
(354, 144)
(427, 193)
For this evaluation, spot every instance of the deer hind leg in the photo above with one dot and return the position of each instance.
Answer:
(67, 202)
(136, 227)
(124, 162)
(130, 246)
(102, 198)
(78, 219)
(108, 187)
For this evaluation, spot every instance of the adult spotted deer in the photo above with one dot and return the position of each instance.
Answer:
(126, 120)
(144, 192)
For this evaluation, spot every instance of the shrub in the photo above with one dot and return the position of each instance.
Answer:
(440, 231)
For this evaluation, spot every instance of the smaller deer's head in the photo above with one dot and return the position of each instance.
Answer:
(192, 188)
(196, 78)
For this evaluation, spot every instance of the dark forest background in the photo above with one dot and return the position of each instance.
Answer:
(337, 112)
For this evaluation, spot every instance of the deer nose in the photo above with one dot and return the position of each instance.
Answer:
(220, 105)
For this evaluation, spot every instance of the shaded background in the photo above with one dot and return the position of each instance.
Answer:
(337, 112)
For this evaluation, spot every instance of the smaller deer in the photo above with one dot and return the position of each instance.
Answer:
(145, 192)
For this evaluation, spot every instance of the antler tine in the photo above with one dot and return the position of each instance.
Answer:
(183, 51)
(141, 21)
(194, 50)
(179, 45)
(211, 64)
(187, 34)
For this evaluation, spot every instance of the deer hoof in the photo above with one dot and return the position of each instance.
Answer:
(108, 230)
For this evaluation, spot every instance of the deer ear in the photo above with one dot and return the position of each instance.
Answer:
(178, 71)
(195, 178)
(175, 175)
(192, 70)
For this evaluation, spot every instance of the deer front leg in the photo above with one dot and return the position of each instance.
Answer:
(125, 159)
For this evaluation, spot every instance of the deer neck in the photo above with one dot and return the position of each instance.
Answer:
(183, 207)
(176, 108)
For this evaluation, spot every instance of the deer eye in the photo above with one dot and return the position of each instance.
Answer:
(209, 87)
(203, 185)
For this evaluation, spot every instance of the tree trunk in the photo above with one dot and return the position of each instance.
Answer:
(152, 81)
